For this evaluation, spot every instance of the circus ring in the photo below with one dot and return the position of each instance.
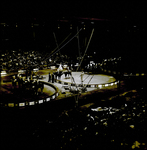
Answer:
(33, 102)
(89, 80)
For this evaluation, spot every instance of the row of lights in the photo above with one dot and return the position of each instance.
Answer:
(81, 23)
(71, 27)
(112, 59)
(16, 25)
(36, 24)
(31, 103)
(125, 74)
(96, 85)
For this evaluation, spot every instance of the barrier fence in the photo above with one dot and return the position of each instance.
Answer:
(89, 85)
(118, 72)
(124, 74)
(34, 102)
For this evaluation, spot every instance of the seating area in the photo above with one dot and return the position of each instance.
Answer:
(21, 59)
(118, 122)
(98, 126)
(73, 75)
(125, 64)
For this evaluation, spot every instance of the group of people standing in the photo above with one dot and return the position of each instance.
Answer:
(57, 75)
(51, 77)
(25, 84)
(54, 75)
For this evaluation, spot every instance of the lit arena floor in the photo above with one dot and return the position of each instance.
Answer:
(92, 80)
(96, 80)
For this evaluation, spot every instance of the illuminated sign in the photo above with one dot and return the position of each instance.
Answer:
(40, 101)
(53, 96)
(106, 84)
(92, 85)
(21, 104)
(99, 86)
(32, 103)
(48, 99)
(3, 72)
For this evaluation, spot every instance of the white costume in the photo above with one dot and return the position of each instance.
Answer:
(60, 68)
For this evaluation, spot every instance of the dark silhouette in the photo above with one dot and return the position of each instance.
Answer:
(49, 77)
(53, 78)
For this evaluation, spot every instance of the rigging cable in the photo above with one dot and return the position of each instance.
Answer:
(86, 49)
(65, 44)
(58, 45)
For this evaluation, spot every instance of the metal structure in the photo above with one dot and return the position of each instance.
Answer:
(86, 48)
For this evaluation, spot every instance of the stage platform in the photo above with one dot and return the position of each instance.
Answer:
(54, 91)
(89, 80)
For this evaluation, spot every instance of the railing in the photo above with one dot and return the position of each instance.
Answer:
(118, 72)
(89, 85)
(34, 102)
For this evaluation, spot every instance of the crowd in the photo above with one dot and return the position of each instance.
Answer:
(26, 85)
(56, 75)
(15, 60)
(118, 123)
(112, 64)
(104, 127)
(98, 127)
(125, 64)
(92, 67)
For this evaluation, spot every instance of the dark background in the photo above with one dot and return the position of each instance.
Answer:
(119, 27)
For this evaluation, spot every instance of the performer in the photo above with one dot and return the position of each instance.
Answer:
(42, 87)
(55, 75)
(52, 77)
(69, 73)
(49, 77)
(59, 75)
(82, 74)
(13, 82)
(65, 73)
(60, 68)
(18, 80)
(36, 87)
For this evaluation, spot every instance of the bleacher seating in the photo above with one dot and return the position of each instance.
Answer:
(101, 127)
